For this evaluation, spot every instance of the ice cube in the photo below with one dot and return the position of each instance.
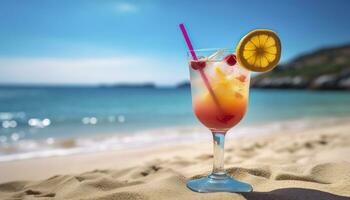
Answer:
(210, 69)
(227, 69)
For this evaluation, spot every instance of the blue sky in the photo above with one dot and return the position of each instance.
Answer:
(93, 42)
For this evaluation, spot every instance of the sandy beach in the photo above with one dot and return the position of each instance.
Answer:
(312, 163)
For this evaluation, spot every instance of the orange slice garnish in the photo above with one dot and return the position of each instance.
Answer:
(259, 50)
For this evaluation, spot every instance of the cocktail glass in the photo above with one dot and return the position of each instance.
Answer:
(220, 90)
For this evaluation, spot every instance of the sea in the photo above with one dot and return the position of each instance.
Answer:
(43, 121)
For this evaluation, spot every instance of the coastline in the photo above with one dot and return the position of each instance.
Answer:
(157, 137)
(282, 164)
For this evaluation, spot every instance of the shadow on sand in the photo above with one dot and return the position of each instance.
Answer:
(293, 194)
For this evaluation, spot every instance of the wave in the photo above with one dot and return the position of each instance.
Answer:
(26, 149)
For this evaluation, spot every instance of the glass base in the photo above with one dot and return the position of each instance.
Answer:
(218, 183)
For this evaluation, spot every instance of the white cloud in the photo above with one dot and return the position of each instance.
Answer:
(124, 7)
(130, 69)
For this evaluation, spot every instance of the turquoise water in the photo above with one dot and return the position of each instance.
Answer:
(116, 110)
(79, 112)
(47, 121)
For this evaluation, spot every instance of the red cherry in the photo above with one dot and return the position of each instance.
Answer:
(230, 59)
(225, 119)
(195, 64)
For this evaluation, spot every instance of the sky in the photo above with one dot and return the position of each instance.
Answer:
(107, 42)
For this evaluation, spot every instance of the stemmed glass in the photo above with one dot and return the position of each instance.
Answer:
(220, 90)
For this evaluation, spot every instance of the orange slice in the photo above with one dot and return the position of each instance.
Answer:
(259, 50)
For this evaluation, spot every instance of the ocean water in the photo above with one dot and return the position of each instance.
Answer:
(45, 121)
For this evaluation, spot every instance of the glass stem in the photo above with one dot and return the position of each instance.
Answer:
(219, 145)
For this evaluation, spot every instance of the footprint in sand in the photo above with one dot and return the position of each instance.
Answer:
(142, 172)
(150, 170)
(107, 183)
(37, 193)
(239, 172)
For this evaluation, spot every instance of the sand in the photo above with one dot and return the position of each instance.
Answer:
(310, 164)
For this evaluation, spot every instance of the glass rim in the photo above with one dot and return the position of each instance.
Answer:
(211, 49)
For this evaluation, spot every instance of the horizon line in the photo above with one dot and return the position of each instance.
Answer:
(121, 84)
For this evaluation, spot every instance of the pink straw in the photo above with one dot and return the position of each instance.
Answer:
(188, 42)
(201, 71)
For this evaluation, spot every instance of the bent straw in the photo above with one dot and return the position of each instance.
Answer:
(201, 71)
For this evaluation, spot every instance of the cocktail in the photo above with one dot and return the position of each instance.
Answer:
(221, 102)
(220, 91)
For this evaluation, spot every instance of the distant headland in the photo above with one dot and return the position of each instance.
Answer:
(129, 85)
(323, 69)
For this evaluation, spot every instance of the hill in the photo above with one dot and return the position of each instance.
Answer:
(327, 68)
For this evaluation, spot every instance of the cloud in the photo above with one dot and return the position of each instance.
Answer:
(126, 7)
(109, 70)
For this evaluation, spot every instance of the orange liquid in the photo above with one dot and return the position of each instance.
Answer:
(231, 106)
(223, 105)
(219, 119)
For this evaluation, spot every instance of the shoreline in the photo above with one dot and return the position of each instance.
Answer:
(157, 137)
